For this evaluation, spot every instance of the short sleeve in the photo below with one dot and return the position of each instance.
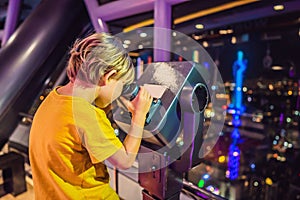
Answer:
(96, 133)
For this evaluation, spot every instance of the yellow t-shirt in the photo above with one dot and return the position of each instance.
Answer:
(69, 140)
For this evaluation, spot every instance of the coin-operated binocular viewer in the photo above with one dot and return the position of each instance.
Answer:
(173, 129)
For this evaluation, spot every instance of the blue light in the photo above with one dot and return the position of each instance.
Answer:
(206, 65)
(206, 176)
(236, 117)
(235, 134)
(233, 162)
(252, 166)
(239, 67)
(236, 121)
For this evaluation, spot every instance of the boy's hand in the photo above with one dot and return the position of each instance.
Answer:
(139, 106)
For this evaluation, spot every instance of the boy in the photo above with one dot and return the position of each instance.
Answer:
(71, 136)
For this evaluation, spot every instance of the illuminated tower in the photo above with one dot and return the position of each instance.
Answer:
(239, 67)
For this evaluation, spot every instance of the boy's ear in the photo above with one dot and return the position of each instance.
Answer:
(107, 76)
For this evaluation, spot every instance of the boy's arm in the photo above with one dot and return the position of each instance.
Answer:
(125, 157)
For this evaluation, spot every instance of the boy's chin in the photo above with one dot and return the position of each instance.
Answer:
(99, 104)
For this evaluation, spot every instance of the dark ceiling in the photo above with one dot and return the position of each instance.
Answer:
(236, 18)
(255, 13)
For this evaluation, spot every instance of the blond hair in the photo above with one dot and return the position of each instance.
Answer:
(96, 55)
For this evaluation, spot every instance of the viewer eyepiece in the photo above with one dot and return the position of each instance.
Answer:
(130, 91)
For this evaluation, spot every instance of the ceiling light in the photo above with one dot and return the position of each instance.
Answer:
(278, 7)
(199, 26)
(127, 42)
(147, 22)
(229, 31)
(197, 37)
(143, 34)
(223, 32)
(125, 46)
(140, 46)
(233, 40)
(205, 44)
(277, 67)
